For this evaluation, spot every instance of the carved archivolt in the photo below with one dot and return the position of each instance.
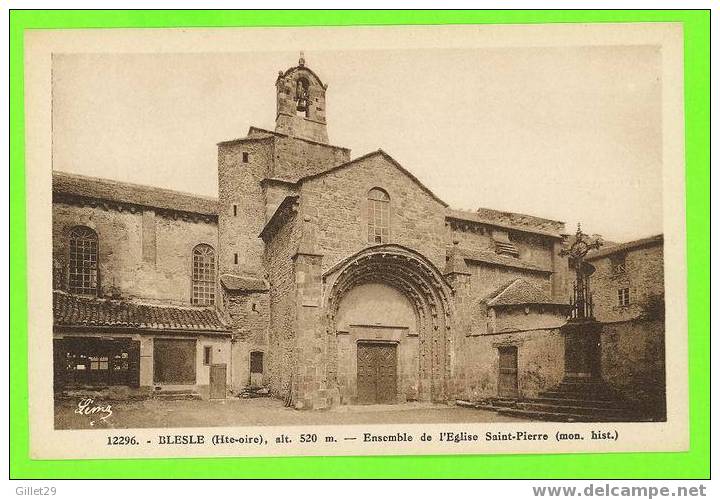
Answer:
(426, 288)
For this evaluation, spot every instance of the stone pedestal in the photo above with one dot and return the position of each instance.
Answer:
(582, 350)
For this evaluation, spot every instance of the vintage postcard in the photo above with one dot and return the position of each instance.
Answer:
(361, 240)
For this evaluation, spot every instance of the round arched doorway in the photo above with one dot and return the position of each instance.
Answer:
(389, 318)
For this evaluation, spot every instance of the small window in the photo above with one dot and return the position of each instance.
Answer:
(256, 362)
(207, 356)
(83, 268)
(203, 275)
(623, 296)
(234, 210)
(99, 363)
(236, 258)
(378, 216)
(246, 157)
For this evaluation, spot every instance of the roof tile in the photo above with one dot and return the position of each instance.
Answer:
(71, 310)
(520, 292)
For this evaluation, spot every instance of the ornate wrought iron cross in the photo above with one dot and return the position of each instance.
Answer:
(576, 253)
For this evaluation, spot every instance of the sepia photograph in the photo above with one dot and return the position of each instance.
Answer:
(464, 234)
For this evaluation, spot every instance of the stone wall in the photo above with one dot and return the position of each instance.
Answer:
(337, 204)
(525, 318)
(141, 254)
(540, 367)
(534, 249)
(248, 315)
(644, 276)
(281, 361)
(633, 361)
(240, 192)
(295, 158)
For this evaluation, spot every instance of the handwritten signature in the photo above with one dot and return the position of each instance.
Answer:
(96, 411)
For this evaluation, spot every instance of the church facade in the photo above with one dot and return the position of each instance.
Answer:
(322, 278)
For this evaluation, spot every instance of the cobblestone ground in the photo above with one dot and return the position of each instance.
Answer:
(153, 413)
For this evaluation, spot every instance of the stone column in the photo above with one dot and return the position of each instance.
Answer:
(311, 383)
(458, 326)
(559, 278)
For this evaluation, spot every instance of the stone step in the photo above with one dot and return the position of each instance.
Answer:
(582, 387)
(176, 395)
(570, 409)
(561, 416)
(583, 402)
(580, 395)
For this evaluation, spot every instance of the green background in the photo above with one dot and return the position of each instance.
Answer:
(692, 464)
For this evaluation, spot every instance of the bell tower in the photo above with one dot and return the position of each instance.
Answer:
(301, 104)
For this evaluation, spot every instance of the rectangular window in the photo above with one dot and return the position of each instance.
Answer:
(256, 362)
(236, 258)
(234, 210)
(378, 217)
(246, 157)
(83, 263)
(203, 276)
(623, 296)
(207, 356)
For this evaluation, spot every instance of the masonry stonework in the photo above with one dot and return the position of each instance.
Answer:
(311, 308)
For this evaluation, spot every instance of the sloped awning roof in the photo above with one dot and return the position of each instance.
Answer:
(520, 292)
(500, 260)
(76, 311)
(243, 283)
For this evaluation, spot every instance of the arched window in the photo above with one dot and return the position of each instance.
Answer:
(83, 268)
(203, 275)
(302, 96)
(378, 216)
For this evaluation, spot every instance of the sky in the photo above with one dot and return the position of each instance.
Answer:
(567, 133)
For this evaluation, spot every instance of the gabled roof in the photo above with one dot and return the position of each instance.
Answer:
(125, 192)
(519, 292)
(76, 311)
(388, 158)
(631, 245)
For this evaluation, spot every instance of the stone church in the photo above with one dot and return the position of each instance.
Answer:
(323, 278)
